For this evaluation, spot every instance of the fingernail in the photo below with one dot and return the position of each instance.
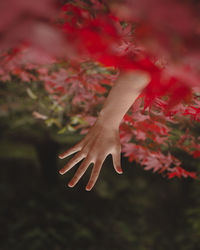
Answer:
(70, 184)
(120, 170)
(60, 172)
(87, 189)
(60, 156)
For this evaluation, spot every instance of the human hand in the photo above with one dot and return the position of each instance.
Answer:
(100, 141)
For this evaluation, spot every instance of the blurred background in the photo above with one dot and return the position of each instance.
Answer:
(137, 210)
(42, 112)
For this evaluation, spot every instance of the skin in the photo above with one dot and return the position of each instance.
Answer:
(105, 130)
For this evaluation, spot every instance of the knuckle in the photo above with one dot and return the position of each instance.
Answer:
(79, 155)
(74, 160)
(82, 167)
(90, 156)
(84, 151)
(77, 146)
(75, 178)
(95, 173)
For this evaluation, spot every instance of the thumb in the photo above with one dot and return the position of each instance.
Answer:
(116, 156)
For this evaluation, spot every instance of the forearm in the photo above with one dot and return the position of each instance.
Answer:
(122, 95)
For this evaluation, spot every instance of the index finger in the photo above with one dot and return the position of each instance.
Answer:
(72, 150)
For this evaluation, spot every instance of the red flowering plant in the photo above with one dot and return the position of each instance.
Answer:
(98, 40)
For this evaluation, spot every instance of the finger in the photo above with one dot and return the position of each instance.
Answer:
(79, 173)
(79, 156)
(116, 156)
(94, 175)
(72, 150)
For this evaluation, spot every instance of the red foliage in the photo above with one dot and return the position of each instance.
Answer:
(179, 172)
(85, 30)
(165, 43)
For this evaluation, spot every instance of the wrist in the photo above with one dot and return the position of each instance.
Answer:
(108, 119)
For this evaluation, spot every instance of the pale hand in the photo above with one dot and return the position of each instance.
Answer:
(94, 147)
(103, 138)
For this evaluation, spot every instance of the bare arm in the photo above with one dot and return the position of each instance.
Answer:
(103, 137)
(121, 97)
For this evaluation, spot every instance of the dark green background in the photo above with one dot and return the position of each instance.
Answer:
(137, 210)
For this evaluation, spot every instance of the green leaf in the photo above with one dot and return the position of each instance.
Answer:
(76, 120)
(62, 131)
(70, 128)
(31, 94)
(52, 121)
